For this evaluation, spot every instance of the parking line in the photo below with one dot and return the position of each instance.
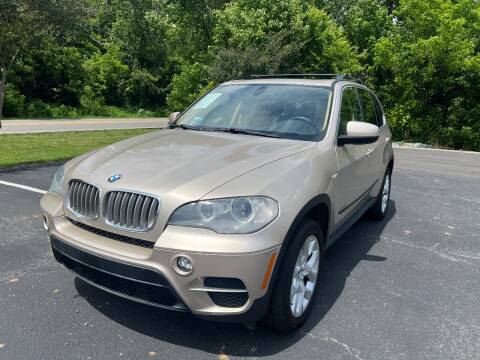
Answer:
(24, 187)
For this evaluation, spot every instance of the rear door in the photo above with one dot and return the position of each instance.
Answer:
(353, 177)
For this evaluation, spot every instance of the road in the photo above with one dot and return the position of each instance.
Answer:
(405, 288)
(34, 126)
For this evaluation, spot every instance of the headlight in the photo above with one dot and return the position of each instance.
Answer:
(56, 186)
(240, 215)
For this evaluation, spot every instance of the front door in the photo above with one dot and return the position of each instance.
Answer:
(353, 178)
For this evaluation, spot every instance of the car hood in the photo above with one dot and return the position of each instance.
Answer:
(185, 163)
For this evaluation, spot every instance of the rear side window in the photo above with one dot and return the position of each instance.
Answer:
(350, 109)
(368, 107)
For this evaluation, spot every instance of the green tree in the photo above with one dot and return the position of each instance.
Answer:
(187, 85)
(274, 56)
(138, 31)
(130, 34)
(25, 23)
(55, 73)
(430, 66)
(326, 48)
(190, 26)
(255, 37)
(364, 22)
(305, 37)
(245, 23)
(65, 58)
(106, 73)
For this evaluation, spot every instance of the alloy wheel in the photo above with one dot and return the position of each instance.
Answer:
(385, 193)
(304, 277)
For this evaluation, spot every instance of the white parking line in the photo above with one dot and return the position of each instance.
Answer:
(24, 187)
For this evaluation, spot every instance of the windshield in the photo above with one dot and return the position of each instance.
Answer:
(279, 110)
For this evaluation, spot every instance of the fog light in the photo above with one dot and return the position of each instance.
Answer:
(183, 265)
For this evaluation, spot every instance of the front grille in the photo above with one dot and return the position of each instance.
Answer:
(83, 199)
(136, 283)
(117, 237)
(130, 211)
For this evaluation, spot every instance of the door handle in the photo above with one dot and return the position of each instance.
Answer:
(387, 139)
(369, 151)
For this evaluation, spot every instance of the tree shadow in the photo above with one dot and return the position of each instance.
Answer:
(31, 166)
(185, 330)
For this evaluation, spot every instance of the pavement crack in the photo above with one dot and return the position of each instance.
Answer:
(443, 255)
(354, 352)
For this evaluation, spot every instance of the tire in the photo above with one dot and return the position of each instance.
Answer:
(281, 316)
(379, 209)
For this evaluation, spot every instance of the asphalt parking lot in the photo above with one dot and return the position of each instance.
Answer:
(404, 288)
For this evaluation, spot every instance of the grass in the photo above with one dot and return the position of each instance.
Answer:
(37, 109)
(21, 149)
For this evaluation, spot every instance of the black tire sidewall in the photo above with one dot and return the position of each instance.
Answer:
(281, 314)
(375, 211)
(380, 195)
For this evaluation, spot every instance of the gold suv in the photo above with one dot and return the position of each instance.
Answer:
(227, 213)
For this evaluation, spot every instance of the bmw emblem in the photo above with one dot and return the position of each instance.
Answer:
(114, 178)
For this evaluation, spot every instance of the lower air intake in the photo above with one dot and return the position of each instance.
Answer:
(233, 299)
(229, 300)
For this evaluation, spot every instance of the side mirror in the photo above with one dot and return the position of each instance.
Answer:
(173, 116)
(359, 132)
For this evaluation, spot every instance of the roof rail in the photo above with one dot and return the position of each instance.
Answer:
(337, 77)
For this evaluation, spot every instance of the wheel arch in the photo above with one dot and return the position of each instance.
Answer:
(319, 206)
(318, 209)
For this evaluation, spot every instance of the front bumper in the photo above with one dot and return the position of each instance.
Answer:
(132, 282)
(222, 285)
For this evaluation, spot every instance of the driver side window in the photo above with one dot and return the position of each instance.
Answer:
(350, 109)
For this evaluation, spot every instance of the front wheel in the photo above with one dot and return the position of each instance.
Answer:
(380, 207)
(296, 285)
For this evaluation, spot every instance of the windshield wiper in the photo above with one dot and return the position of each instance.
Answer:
(245, 132)
(219, 129)
(188, 127)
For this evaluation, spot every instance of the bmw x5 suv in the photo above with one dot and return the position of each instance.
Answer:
(228, 211)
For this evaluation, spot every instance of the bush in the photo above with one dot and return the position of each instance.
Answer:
(63, 112)
(106, 74)
(37, 108)
(140, 89)
(14, 102)
(91, 104)
(465, 138)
